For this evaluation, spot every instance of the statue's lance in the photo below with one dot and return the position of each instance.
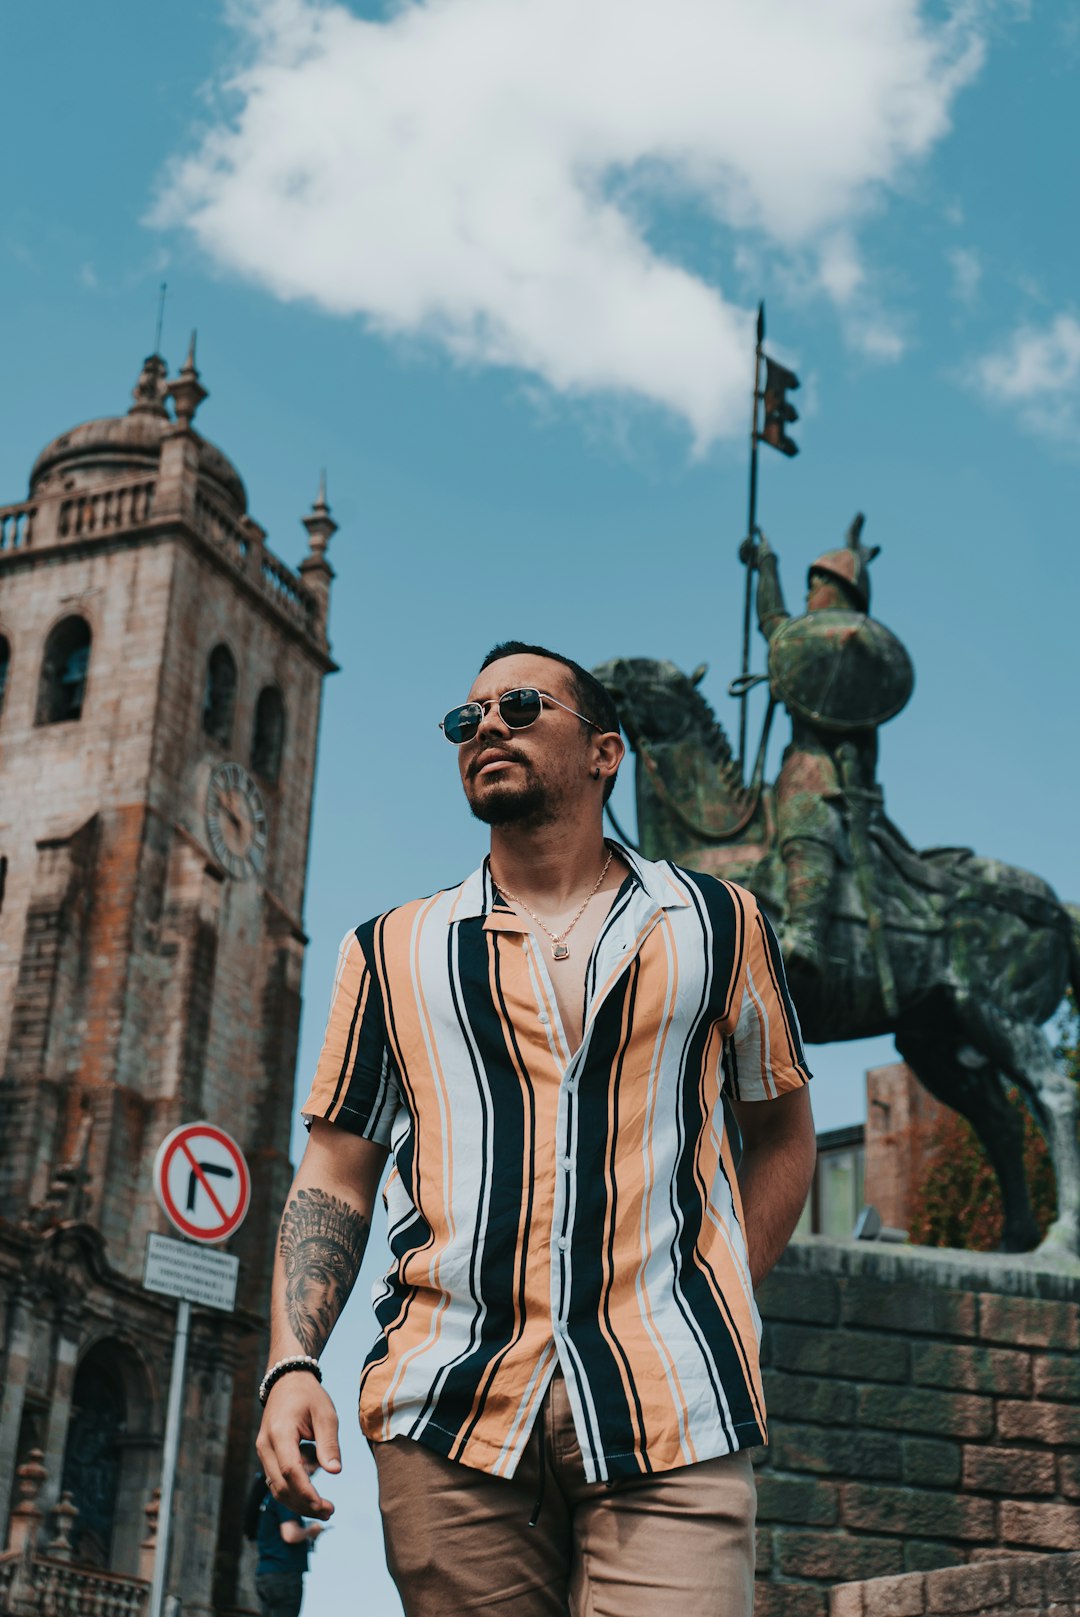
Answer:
(778, 414)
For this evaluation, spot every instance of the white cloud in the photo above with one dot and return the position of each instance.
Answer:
(481, 172)
(1033, 363)
(840, 271)
(1037, 372)
(966, 267)
(876, 338)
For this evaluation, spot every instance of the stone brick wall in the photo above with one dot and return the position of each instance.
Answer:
(924, 1412)
(1022, 1586)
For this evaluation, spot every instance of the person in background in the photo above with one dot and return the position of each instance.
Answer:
(283, 1542)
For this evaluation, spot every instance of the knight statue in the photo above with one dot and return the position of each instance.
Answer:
(961, 957)
(840, 675)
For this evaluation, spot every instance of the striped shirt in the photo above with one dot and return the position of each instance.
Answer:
(550, 1209)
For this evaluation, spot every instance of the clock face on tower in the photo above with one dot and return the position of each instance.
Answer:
(236, 820)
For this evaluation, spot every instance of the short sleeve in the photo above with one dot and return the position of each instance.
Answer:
(763, 1055)
(355, 1084)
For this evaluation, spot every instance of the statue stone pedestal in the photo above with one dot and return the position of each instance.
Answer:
(924, 1412)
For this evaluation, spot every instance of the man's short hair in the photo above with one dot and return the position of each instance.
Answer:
(590, 696)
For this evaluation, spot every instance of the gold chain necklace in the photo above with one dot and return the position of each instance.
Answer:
(559, 950)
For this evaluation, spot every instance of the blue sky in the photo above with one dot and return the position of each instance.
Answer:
(494, 269)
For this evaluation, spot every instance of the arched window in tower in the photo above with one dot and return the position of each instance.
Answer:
(268, 738)
(94, 1451)
(5, 664)
(220, 697)
(111, 1462)
(64, 671)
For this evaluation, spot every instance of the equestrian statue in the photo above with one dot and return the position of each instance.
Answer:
(960, 957)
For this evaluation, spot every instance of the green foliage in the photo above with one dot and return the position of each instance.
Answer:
(1067, 1049)
(959, 1201)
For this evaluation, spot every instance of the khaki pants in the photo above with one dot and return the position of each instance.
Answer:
(676, 1544)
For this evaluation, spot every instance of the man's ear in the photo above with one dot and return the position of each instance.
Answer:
(609, 750)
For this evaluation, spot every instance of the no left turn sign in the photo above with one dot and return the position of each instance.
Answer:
(201, 1180)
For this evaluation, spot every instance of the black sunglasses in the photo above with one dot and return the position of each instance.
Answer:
(517, 709)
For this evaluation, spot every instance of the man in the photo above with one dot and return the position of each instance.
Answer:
(283, 1540)
(566, 1379)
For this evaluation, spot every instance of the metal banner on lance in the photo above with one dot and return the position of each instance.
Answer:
(840, 669)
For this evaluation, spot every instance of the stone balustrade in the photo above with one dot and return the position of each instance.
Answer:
(283, 587)
(105, 511)
(222, 529)
(17, 526)
(241, 542)
(33, 1584)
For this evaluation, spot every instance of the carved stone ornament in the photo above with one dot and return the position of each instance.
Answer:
(65, 1515)
(26, 1518)
(63, 1265)
(66, 1199)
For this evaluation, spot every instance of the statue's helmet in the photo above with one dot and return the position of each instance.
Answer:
(849, 566)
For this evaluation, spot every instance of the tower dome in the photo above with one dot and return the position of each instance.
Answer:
(101, 451)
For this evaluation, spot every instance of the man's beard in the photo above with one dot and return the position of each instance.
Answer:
(528, 806)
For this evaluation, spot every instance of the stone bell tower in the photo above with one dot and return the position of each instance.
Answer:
(160, 683)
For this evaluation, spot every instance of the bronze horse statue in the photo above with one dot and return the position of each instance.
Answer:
(980, 952)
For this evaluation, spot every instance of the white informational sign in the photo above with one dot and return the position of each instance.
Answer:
(177, 1269)
(202, 1182)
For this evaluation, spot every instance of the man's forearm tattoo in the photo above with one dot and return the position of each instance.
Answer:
(322, 1247)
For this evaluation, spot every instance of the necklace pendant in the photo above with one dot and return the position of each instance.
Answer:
(560, 951)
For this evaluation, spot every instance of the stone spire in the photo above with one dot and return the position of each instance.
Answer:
(320, 525)
(315, 570)
(149, 391)
(187, 392)
(181, 449)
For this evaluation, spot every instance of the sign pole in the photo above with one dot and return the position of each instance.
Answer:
(172, 1449)
(203, 1185)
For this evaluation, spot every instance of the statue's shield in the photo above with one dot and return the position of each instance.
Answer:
(840, 670)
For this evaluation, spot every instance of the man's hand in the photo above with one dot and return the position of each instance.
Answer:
(321, 1244)
(297, 1408)
(752, 552)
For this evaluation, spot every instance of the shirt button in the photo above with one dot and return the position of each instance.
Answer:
(544, 1018)
(560, 1327)
(563, 1243)
(568, 1163)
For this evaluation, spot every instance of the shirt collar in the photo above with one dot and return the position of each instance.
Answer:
(658, 880)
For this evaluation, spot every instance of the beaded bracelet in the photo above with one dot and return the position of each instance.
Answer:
(299, 1361)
